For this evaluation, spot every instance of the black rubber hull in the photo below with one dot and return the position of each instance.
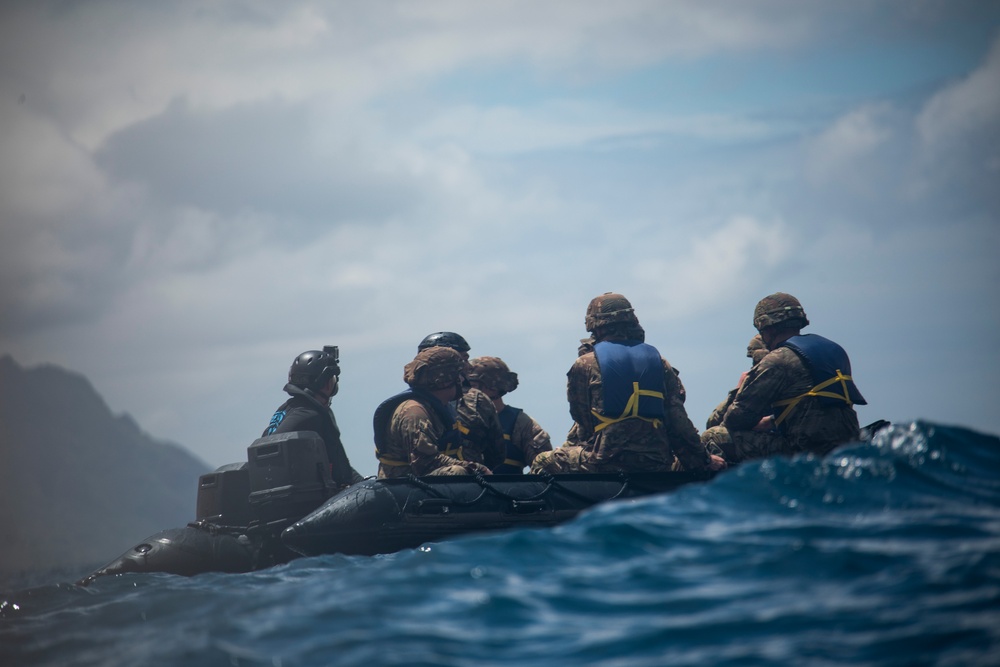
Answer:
(195, 549)
(277, 506)
(384, 516)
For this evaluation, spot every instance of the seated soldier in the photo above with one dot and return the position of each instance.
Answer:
(477, 416)
(755, 352)
(524, 438)
(799, 398)
(626, 401)
(416, 431)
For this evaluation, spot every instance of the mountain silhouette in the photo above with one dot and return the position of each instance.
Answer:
(78, 484)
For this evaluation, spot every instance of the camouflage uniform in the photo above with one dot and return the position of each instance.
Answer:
(481, 430)
(477, 416)
(413, 436)
(411, 443)
(811, 426)
(526, 438)
(629, 444)
(529, 438)
(755, 351)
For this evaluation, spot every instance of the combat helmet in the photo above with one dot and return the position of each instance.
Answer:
(314, 368)
(610, 308)
(434, 368)
(492, 373)
(779, 308)
(444, 339)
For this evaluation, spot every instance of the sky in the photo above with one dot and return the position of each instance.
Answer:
(191, 194)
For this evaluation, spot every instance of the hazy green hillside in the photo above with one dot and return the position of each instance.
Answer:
(79, 485)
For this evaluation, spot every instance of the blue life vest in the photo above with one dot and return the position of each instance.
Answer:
(450, 442)
(830, 369)
(514, 462)
(632, 382)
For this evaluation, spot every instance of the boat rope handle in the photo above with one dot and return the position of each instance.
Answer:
(623, 477)
(481, 480)
(416, 481)
(419, 483)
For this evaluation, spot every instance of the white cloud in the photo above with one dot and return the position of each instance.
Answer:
(192, 193)
(965, 109)
(728, 261)
(42, 174)
(959, 131)
(129, 64)
(571, 124)
(842, 149)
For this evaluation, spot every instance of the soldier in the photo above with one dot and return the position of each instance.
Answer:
(586, 346)
(416, 431)
(523, 436)
(626, 402)
(314, 379)
(477, 417)
(799, 398)
(755, 352)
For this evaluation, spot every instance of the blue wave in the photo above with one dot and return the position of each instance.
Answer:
(882, 553)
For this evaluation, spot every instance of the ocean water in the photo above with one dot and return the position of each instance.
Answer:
(883, 553)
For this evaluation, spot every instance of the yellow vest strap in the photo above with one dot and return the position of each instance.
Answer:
(790, 403)
(631, 410)
(390, 462)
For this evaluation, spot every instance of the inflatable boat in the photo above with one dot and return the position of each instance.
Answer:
(282, 504)
(387, 515)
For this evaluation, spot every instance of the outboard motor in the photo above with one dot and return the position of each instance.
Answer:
(242, 509)
(289, 476)
(224, 496)
(213, 543)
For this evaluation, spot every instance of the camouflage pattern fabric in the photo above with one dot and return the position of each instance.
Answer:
(529, 438)
(434, 368)
(779, 308)
(568, 458)
(756, 350)
(631, 332)
(414, 434)
(492, 375)
(483, 435)
(449, 471)
(573, 437)
(811, 426)
(607, 309)
(744, 445)
(631, 444)
(715, 419)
